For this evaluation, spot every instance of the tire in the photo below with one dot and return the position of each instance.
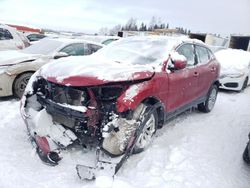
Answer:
(244, 84)
(20, 84)
(119, 141)
(208, 105)
(148, 129)
(245, 155)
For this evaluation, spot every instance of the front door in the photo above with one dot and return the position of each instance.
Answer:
(183, 83)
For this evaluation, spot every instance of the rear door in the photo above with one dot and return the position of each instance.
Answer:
(207, 69)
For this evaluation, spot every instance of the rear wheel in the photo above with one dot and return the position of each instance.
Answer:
(208, 105)
(20, 84)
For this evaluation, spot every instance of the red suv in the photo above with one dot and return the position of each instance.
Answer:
(116, 99)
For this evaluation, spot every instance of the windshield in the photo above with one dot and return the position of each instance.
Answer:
(135, 50)
(44, 46)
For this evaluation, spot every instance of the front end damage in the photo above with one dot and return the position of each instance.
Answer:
(60, 117)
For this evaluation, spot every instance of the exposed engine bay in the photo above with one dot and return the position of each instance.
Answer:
(65, 116)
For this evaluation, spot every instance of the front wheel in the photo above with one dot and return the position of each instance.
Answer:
(20, 84)
(135, 134)
(208, 105)
(148, 128)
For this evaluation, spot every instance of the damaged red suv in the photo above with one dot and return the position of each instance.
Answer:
(115, 100)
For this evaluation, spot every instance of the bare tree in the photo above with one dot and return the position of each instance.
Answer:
(115, 30)
(104, 31)
(131, 25)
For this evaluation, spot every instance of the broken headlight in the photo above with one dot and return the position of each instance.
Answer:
(108, 92)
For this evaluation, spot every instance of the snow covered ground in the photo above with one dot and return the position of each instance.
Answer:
(193, 150)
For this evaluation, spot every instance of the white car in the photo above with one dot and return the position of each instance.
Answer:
(11, 39)
(100, 39)
(17, 66)
(235, 69)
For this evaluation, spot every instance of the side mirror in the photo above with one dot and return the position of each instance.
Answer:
(179, 64)
(60, 55)
(177, 61)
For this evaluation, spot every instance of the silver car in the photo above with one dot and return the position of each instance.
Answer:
(17, 66)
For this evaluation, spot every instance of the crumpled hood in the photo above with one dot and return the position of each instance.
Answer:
(92, 70)
(11, 57)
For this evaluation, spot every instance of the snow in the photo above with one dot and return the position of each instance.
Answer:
(194, 150)
(133, 90)
(77, 108)
(175, 56)
(119, 61)
(233, 60)
(11, 57)
(91, 66)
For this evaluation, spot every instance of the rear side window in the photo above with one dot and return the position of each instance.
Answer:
(5, 34)
(202, 55)
(187, 50)
(74, 49)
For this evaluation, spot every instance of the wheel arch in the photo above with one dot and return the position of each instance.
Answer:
(217, 83)
(18, 76)
(160, 109)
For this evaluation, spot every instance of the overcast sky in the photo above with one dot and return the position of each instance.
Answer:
(214, 16)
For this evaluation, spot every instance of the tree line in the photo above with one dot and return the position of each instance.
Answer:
(132, 25)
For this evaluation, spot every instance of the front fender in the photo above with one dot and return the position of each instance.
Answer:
(26, 66)
(134, 95)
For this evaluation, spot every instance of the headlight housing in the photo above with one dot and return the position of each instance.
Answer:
(3, 69)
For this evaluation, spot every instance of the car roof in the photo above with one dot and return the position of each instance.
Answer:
(176, 40)
(69, 41)
(99, 38)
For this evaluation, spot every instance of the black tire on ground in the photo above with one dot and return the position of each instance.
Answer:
(208, 105)
(150, 124)
(245, 155)
(244, 84)
(20, 84)
(122, 140)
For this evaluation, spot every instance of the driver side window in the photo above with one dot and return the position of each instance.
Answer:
(187, 50)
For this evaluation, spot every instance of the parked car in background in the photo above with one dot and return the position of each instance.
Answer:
(16, 67)
(101, 39)
(11, 39)
(216, 48)
(35, 36)
(118, 97)
(25, 40)
(235, 69)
